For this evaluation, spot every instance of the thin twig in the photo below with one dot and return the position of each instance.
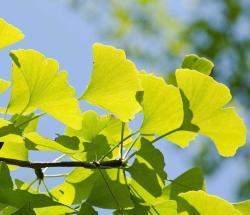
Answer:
(117, 145)
(130, 147)
(122, 136)
(55, 160)
(29, 120)
(164, 135)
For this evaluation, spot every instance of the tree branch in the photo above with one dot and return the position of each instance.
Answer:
(88, 165)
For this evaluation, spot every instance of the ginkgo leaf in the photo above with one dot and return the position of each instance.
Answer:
(86, 209)
(197, 63)
(206, 204)
(110, 190)
(4, 85)
(162, 105)
(168, 207)
(206, 100)
(9, 34)
(113, 83)
(13, 147)
(37, 142)
(6, 181)
(150, 162)
(243, 207)
(94, 125)
(189, 180)
(37, 83)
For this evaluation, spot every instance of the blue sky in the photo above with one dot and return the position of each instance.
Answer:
(56, 31)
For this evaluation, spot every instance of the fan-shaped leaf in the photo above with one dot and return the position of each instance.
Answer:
(197, 63)
(206, 100)
(162, 106)
(113, 83)
(37, 83)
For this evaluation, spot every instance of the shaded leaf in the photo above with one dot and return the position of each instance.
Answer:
(5, 179)
(197, 63)
(86, 209)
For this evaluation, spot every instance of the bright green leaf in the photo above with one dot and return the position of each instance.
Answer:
(35, 141)
(197, 63)
(92, 125)
(162, 106)
(13, 147)
(4, 85)
(206, 204)
(207, 99)
(37, 83)
(113, 83)
(9, 34)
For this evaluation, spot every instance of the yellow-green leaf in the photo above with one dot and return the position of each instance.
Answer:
(13, 147)
(37, 83)
(206, 204)
(162, 105)
(4, 85)
(9, 34)
(206, 101)
(113, 83)
(36, 141)
(243, 207)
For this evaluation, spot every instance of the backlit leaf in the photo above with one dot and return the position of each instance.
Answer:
(243, 207)
(4, 85)
(37, 83)
(13, 147)
(162, 106)
(113, 83)
(206, 204)
(207, 99)
(9, 34)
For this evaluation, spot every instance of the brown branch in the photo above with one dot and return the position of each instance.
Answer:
(88, 165)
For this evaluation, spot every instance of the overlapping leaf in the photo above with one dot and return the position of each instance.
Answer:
(9, 34)
(162, 106)
(13, 147)
(206, 100)
(206, 204)
(197, 63)
(113, 83)
(37, 83)
(148, 182)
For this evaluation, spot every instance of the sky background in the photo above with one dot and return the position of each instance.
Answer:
(55, 30)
